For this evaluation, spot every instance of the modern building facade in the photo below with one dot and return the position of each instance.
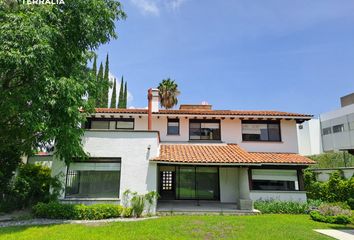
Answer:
(333, 131)
(191, 153)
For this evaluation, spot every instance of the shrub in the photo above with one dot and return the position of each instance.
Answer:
(56, 210)
(336, 189)
(138, 204)
(127, 212)
(332, 213)
(276, 206)
(32, 184)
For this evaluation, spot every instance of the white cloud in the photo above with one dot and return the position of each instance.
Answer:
(147, 6)
(175, 4)
(111, 79)
(153, 7)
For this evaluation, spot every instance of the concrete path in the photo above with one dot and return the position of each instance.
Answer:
(338, 234)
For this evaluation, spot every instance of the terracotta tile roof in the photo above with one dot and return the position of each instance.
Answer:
(223, 153)
(291, 158)
(205, 112)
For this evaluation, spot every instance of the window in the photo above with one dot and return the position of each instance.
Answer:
(172, 126)
(338, 128)
(100, 125)
(260, 131)
(326, 131)
(93, 179)
(204, 130)
(274, 180)
(125, 123)
(120, 124)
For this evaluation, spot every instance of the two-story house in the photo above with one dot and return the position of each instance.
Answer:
(194, 152)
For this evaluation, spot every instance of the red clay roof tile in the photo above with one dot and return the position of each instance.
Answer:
(223, 153)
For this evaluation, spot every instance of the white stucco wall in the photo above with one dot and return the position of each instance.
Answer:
(309, 138)
(231, 132)
(299, 196)
(229, 192)
(134, 148)
(323, 175)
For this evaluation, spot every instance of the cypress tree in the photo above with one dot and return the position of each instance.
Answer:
(125, 95)
(94, 65)
(121, 95)
(105, 85)
(114, 94)
(100, 86)
(94, 72)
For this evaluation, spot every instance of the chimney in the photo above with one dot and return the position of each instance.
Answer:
(153, 104)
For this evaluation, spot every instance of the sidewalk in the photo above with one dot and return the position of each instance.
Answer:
(337, 234)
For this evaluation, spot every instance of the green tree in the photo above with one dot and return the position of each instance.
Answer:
(100, 87)
(114, 94)
(125, 95)
(94, 73)
(121, 94)
(168, 92)
(44, 52)
(106, 84)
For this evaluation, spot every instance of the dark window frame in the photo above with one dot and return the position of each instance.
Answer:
(204, 121)
(326, 131)
(262, 122)
(173, 120)
(93, 160)
(299, 175)
(337, 127)
(125, 120)
(88, 123)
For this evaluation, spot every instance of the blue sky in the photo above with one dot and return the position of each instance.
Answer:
(288, 55)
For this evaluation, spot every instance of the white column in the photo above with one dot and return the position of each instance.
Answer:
(244, 203)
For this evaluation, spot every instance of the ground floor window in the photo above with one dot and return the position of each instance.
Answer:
(93, 179)
(278, 180)
(189, 182)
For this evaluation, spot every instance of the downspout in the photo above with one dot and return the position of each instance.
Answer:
(150, 109)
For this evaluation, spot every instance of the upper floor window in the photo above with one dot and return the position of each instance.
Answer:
(261, 131)
(338, 128)
(327, 130)
(125, 123)
(172, 126)
(119, 123)
(204, 129)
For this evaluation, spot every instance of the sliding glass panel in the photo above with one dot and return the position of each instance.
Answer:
(100, 125)
(207, 183)
(186, 183)
(92, 184)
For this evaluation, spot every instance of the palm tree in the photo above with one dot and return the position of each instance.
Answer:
(168, 92)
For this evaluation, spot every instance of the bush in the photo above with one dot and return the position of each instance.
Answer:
(127, 212)
(32, 184)
(138, 203)
(276, 206)
(56, 210)
(336, 189)
(332, 213)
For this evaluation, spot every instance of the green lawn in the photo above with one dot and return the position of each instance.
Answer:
(181, 227)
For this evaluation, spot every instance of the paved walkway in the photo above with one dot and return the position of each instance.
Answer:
(200, 207)
(338, 234)
(40, 221)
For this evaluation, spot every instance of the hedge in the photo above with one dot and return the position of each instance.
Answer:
(56, 210)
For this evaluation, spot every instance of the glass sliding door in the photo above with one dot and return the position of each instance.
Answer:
(197, 183)
(186, 183)
(207, 183)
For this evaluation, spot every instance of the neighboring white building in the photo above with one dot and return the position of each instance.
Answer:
(333, 131)
(309, 137)
(193, 153)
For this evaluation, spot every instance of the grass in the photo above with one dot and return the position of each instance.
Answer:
(260, 227)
